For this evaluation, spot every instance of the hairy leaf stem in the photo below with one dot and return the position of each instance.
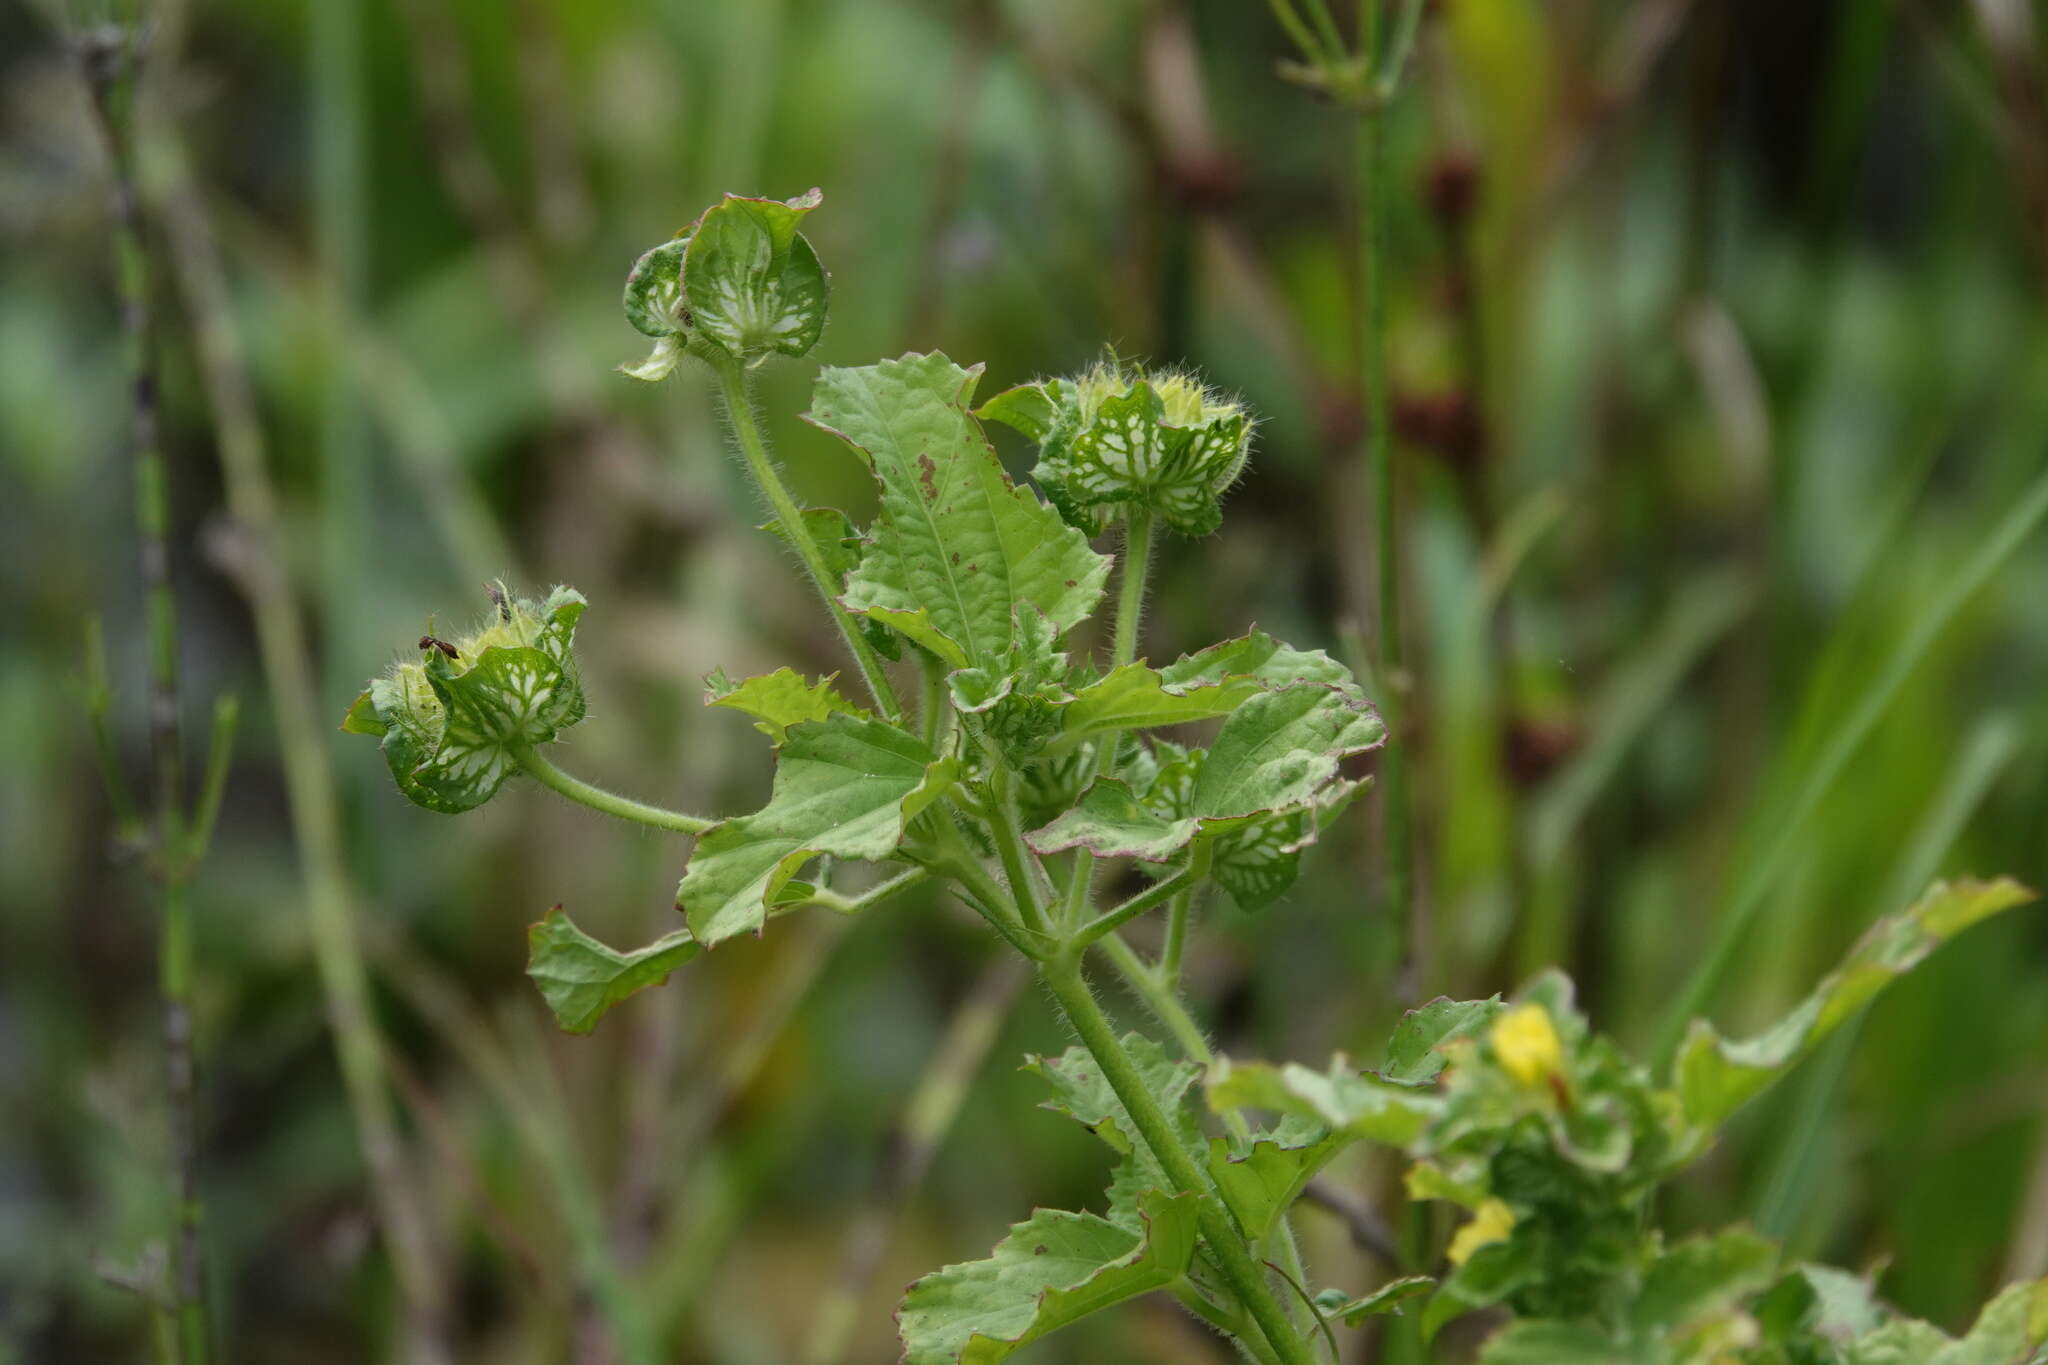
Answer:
(598, 799)
(1139, 528)
(1062, 976)
(1171, 888)
(739, 410)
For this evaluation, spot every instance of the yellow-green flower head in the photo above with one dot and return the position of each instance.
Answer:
(1526, 1046)
(454, 720)
(1116, 437)
(1493, 1221)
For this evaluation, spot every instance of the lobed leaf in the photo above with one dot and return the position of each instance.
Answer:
(1415, 1052)
(582, 978)
(779, 700)
(1715, 1076)
(844, 787)
(956, 548)
(1052, 1270)
(1211, 682)
(1261, 1177)
(1701, 1278)
(1358, 1105)
(1388, 1298)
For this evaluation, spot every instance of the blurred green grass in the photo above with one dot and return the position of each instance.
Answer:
(1762, 359)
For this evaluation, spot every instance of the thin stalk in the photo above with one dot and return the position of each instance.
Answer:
(1010, 851)
(254, 558)
(960, 862)
(110, 63)
(932, 708)
(1172, 888)
(1139, 530)
(1247, 1280)
(867, 900)
(739, 409)
(1379, 457)
(608, 803)
(1175, 947)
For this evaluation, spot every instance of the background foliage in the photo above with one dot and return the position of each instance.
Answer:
(1718, 349)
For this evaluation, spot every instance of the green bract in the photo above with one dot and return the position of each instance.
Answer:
(1114, 438)
(740, 283)
(454, 724)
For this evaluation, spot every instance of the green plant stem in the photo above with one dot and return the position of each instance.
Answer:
(829, 899)
(1172, 888)
(1062, 976)
(110, 61)
(933, 707)
(739, 409)
(1175, 946)
(1159, 996)
(257, 568)
(1139, 528)
(955, 859)
(1010, 850)
(1379, 456)
(609, 803)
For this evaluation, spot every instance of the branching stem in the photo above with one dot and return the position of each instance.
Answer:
(1062, 976)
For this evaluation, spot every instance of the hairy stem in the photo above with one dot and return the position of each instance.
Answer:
(609, 803)
(1139, 528)
(739, 409)
(1247, 1280)
(1170, 889)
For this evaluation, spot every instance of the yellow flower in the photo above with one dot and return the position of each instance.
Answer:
(1491, 1222)
(1526, 1044)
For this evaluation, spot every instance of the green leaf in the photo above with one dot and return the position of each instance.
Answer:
(844, 786)
(1053, 1269)
(779, 700)
(955, 548)
(1212, 682)
(1112, 822)
(1388, 1298)
(1262, 1177)
(2010, 1330)
(1266, 787)
(1281, 748)
(1415, 1052)
(753, 284)
(581, 978)
(1083, 1093)
(1700, 1278)
(1357, 1105)
(1714, 1076)
(1536, 1342)
(1030, 409)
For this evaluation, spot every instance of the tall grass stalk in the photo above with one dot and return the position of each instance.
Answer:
(254, 553)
